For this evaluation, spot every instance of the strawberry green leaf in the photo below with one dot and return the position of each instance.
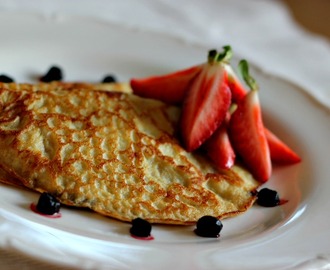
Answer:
(243, 67)
(224, 56)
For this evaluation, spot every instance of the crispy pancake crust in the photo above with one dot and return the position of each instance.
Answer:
(112, 152)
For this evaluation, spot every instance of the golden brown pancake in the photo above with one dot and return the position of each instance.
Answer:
(112, 152)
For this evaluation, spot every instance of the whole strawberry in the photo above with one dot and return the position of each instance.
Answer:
(247, 132)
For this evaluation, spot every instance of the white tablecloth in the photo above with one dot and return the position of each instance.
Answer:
(261, 31)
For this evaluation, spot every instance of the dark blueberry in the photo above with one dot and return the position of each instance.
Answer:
(53, 74)
(109, 79)
(268, 198)
(140, 228)
(6, 79)
(208, 226)
(48, 204)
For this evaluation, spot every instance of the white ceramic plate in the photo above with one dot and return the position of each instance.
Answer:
(293, 235)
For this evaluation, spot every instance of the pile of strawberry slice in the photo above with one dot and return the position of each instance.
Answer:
(219, 114)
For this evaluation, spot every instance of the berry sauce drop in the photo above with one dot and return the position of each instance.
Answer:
(282, 201)
(33, 207)
(145, 238)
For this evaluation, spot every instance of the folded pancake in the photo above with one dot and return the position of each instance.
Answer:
(112, 152)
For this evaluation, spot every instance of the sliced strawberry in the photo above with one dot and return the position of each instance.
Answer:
(206, 103)
(169, 88)
(218, 147)
(280, 153)
(247, 133)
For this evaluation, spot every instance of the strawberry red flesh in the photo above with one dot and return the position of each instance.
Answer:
(169, 88)
(236, 87)
(205, 105)
(280, 153)
(247, 134)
